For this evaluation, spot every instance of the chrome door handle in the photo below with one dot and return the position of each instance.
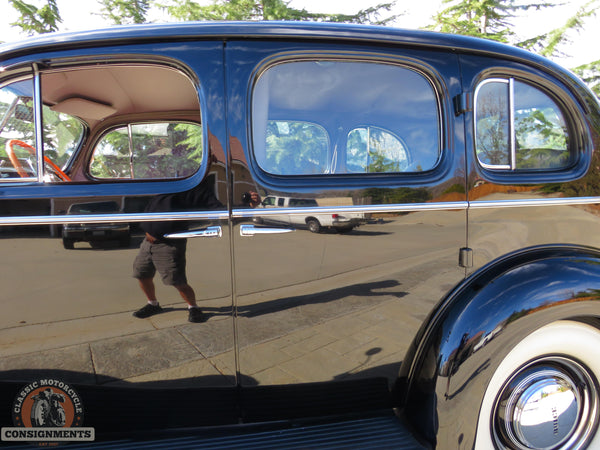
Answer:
(208, 232)
(251, 230)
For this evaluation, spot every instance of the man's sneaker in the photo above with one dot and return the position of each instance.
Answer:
(147, 311)
(195, 315)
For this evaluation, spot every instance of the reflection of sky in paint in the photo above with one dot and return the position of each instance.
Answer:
(358, 93)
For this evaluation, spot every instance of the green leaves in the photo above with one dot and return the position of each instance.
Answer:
(188, 10)
(121, 12)
(37, 20)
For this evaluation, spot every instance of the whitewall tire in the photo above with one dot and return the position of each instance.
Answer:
(544, 393)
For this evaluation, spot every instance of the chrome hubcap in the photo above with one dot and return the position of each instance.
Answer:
(550, 403)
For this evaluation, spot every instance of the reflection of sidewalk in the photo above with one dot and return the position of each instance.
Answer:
(352, 335)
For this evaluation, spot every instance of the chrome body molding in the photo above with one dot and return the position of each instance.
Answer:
(571, 201)
(245, 213)
(249, 213)
(104, 218)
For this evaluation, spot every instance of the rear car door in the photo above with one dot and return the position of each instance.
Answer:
(366, 139)
(91, 138)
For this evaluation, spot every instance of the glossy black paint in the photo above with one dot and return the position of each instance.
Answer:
(444, 373)
(490, 312)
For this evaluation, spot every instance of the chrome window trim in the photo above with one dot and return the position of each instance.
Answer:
(510, 125)
(38, 121)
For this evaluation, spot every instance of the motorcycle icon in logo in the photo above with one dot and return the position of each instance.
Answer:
(47, 409)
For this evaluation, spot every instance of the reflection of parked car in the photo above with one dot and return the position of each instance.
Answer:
(95, 232)
(342, 223)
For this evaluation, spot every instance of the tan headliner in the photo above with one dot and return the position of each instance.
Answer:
(126, 89)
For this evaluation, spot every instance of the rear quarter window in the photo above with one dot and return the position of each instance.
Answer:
(519, 127)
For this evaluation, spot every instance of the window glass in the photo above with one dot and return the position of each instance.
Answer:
(493, 132)
(540, 130)
(149, 151)
(337, 117)
(17, 131)
(18, 155)
(532, 134)
(373, 150)
(295, 148)
(62, 135)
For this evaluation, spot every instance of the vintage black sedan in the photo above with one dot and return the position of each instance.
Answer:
(465, 313)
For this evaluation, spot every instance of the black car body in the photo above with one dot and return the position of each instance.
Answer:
(95, 233)
(464, 314)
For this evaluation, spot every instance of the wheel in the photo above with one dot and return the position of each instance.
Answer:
(69, 244)
(544, 393)
(313, 225)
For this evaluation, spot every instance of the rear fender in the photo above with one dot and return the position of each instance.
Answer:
(454, 355)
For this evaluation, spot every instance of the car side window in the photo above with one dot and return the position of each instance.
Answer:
(17, 131)
(156, 150)
(100, 122)
(519, 127)
(62, 133)
(326, 117)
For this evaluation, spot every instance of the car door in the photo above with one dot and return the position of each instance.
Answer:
(369, 136)
(91, 140)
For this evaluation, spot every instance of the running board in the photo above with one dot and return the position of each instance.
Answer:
(373, 433)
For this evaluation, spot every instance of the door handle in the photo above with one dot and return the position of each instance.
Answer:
(208, 232)
(251, 230)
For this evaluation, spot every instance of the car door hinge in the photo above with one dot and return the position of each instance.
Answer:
(465, 257)
(462, 103)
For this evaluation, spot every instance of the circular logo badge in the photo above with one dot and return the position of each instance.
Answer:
(46, 412)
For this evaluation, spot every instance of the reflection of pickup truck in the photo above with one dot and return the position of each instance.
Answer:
(342, 223)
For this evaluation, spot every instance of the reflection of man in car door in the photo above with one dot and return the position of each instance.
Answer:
(167, 256)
